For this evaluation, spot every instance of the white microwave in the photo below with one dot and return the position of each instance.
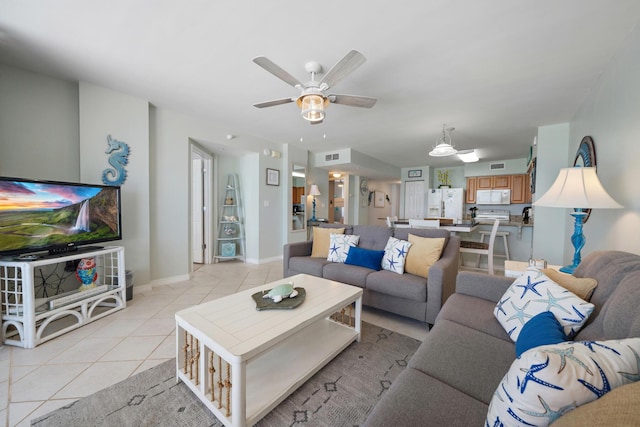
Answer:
(493, 197)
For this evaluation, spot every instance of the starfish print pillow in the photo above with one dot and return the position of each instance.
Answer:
(339, 245)
(534, 293)
(395, 255)
(546, 382)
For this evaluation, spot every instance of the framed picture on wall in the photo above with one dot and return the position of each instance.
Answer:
(378, 200)
(415, 173)
(273, 177)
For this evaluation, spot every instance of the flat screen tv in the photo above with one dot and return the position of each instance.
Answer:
(55, 216)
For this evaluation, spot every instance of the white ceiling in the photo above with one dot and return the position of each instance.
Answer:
(493, 69)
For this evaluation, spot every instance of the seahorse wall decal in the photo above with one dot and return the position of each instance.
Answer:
(119, 158)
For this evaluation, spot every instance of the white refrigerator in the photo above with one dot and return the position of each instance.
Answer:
(445, 203)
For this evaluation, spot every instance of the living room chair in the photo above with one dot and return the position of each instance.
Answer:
(481, 248)
(424, 223)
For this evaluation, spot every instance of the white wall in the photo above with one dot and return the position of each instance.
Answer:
(511, 167)
(389, 209)
(105, 112)
(38, 126)
(610, 116)
(550, 224)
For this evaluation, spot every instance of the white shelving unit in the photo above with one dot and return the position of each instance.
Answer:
(230, 243)
(28, 321)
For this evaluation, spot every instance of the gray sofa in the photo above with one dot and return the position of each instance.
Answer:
(404, 294)
(452, 377)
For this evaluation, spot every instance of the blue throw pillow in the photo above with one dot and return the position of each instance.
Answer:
(365, 258)
(541, 329)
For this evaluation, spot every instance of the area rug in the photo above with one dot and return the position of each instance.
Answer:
(341, 394)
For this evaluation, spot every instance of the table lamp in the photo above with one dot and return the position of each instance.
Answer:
(578, 188)
(314, 191)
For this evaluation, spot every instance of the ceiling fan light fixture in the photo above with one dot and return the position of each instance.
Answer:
(444, 145)
(312, 107)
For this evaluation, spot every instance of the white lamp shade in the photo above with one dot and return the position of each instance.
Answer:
(442, 150)
(578, 188)
(314, 191)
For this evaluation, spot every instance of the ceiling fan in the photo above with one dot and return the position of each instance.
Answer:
(313, 98)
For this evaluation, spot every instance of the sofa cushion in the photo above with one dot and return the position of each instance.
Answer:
(583, 287)
(307, 265)
(321, 239)
(475, 313)
(395, 255)
(542, 329)
(372, 236)
(619, 407)
(417, 399)
(339, 245)
(406, 286)
(548, 381)
(345, 273)
(454, 354)
(365, 258)
(424, 252)
(531, 294)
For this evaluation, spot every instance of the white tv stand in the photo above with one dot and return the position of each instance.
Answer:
(27, 320)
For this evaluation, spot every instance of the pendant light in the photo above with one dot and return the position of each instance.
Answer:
(444, 145)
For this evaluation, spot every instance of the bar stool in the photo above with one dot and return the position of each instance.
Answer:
(504, 235)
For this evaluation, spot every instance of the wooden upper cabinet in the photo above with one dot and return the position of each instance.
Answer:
(520, 190)
(472, 186)
(494, 182)
(502, 181)
(297, 193)
(518, 184)
(485, 182)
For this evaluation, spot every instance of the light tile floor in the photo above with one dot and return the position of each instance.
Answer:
(36, 381)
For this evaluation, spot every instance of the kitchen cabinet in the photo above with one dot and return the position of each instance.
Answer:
(518, 184)
(485, 183)
(520, 189)
(502, 182)
(493, 182)
(297, 193)
(472, 186)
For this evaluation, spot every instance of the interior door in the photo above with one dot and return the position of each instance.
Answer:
(414, 199)
(197, 222)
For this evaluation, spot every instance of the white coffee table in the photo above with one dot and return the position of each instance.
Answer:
(241, 363)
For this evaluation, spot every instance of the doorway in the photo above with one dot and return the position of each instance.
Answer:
(201, 184)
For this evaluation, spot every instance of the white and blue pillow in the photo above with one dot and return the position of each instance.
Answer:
(339, 245)
(534, 293)
(546, 382)
(395, 255)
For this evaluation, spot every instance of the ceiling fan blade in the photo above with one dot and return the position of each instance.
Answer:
(273, 103)
(353, 101)
(274, 69)
(343, 68)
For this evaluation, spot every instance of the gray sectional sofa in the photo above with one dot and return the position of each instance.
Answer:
(451, 379)
(405, 294)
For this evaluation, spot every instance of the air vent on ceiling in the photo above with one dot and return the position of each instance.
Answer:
(330, 157)
(496, 166)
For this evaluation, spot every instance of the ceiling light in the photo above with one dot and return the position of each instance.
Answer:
(468, 156)
(444, 145)
(312, 106)
(337, 175)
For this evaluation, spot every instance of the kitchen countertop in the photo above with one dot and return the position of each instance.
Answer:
(514, 221)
